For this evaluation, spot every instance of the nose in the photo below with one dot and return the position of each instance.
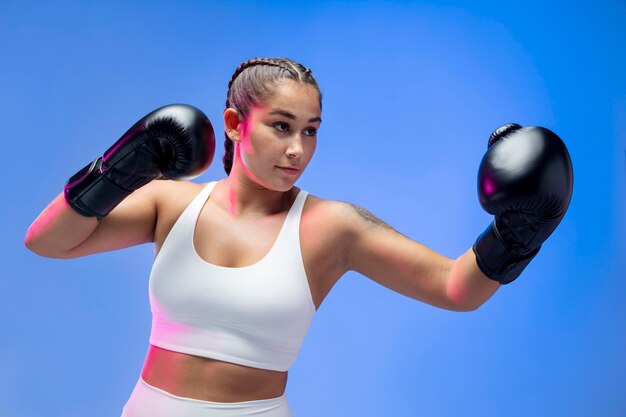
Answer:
(295, 149)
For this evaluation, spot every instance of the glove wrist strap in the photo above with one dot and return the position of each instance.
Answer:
(496, 259)
(90, 193)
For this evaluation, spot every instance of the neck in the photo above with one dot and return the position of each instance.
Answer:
(242, 197)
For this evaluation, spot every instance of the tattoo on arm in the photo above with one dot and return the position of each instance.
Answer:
(366, 215)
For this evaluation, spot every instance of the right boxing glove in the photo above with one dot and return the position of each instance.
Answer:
(172, 142)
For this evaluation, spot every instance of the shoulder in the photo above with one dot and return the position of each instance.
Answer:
(329, 209)
(348, 218)
(353, 232)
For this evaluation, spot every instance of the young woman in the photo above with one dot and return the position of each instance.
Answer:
(243, 263)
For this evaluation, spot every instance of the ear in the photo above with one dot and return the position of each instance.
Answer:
(232, 124)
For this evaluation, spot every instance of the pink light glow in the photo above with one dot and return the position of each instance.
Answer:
(488, 186)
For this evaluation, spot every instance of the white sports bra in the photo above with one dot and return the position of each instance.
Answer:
(256, 315)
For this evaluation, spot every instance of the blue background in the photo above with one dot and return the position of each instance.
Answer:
(411, 92)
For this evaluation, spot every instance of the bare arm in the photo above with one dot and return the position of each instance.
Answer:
(58, 228)
(175, 141)
(466, 284)
(60, 232)
(403, 265)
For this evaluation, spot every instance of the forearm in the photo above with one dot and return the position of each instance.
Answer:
(466, 285)
(58, 228)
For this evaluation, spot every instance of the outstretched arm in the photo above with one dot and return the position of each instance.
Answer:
(525, 179)
(403, 265)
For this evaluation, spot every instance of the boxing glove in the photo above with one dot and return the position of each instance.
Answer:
(525, 180)
(172, 142)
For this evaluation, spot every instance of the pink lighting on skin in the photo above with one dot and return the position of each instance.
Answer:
(40, 237)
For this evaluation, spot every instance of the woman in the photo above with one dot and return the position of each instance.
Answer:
(243, 263)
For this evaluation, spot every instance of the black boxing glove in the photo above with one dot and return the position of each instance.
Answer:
(526, 180)
(172, 142)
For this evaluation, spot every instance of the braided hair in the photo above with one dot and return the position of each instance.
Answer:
(252, 84)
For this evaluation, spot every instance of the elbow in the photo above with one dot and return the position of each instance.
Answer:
(50, 255)
(30, 243)
(462, 305)
(461, 302)
(468, 307)
(459, 295)
(38, 249)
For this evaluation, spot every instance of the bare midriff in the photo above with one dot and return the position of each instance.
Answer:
(208, 379)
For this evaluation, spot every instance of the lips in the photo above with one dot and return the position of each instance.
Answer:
(290, 170)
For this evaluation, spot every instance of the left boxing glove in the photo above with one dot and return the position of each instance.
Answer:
(526, 180)
(173, 142)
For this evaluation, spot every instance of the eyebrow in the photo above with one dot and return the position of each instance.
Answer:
(292, 117)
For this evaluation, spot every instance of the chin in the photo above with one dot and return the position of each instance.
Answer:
(283, 186)
(274, 182)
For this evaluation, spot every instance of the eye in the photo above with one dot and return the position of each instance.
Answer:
(310, 131)
(281, 127)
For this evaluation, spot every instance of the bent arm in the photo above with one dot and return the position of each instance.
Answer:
(466, 284)
(405, 266)
(60, 232)
(58, 228)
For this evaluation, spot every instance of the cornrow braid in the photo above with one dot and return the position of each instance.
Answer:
(247, 64)
(251, 84)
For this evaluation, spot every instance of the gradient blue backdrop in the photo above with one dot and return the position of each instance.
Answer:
(411, 92)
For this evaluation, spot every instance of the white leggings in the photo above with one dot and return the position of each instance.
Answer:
(149, 401)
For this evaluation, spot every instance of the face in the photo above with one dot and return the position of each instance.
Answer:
(278, 138)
